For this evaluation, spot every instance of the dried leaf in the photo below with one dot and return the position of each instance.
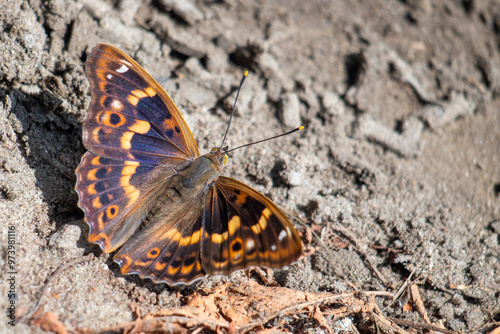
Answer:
(495, 331)
(50, 322)
(318, 316)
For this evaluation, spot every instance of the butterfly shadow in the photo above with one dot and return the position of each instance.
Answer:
(48, 139)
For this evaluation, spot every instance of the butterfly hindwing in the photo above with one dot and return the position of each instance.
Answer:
(131, 117)
(167, 249)
(242, 227)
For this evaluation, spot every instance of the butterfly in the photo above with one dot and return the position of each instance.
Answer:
(148, 193)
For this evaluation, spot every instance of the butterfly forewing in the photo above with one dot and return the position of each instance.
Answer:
(243, 227)
(131, 117)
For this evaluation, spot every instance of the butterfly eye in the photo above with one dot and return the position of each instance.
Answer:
(214, 149)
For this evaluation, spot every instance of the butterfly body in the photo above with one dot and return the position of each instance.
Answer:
(147, 192)
(176, 186)
(202, 172)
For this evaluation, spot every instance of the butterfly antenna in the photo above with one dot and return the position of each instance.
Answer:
(234, 108)
(270, 138)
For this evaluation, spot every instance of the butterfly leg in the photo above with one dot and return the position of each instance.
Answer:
(265, 274)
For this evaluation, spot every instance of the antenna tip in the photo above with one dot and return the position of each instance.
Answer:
(300, 127)
(246, 73)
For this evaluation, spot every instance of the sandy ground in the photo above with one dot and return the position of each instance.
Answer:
(397, 170)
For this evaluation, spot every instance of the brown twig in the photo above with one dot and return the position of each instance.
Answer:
(350, 236)
(382, 320)
(358, 244)
(418, 303)
(420, 325)
(401, 290)
(65, 171)
(161, 324)
(28, 315)
(293, 309)
(301, 221)
(489, 322)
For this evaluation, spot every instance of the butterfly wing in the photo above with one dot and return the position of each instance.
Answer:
(136, 136)
(242, 227)
(115, 196)
(131, 117)
(167, 249)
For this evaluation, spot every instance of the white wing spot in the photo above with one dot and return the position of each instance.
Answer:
(109, 76)
(116, 105)
(273, 248)
(122, 69)
(282, 235)
(250, 245)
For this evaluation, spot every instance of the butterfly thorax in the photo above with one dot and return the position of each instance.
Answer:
(202, 172)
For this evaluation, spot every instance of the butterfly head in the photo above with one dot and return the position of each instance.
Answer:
(221, 154)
